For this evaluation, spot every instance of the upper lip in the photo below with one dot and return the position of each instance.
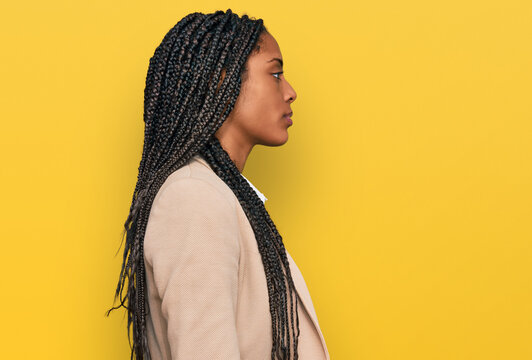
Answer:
(289, 114)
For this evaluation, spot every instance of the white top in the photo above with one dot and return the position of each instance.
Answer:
(261, 195)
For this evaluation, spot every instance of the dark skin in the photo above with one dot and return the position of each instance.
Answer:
(258, 116)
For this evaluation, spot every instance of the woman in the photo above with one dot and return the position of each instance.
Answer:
(208, 274)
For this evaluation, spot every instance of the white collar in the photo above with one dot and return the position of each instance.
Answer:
(261, 195)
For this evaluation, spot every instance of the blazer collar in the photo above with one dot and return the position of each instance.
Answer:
(204, 162)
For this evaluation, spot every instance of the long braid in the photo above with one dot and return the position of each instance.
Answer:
(269, 242)
(182, 112)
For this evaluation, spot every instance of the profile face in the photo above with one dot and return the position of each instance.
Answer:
(259, 115)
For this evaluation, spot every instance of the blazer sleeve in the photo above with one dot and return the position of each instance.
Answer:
(193, 248)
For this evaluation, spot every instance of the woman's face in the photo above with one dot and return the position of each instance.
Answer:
(260, 112)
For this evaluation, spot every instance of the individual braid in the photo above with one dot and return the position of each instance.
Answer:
(182, 112)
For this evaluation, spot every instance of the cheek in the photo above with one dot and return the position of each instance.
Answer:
(259, 107)
(265, 122)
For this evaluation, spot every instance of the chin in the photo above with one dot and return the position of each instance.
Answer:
(277, 141)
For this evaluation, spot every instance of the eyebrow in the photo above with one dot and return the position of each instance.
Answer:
(277, 59)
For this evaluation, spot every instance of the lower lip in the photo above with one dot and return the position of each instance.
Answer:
(289, 120)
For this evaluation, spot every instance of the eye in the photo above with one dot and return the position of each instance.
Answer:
(279, 73)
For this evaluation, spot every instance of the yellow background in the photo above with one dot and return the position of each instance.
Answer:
(403, 193)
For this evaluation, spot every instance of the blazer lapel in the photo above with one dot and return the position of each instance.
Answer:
(304, 296)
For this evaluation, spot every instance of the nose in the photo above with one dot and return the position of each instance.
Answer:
(291, 94)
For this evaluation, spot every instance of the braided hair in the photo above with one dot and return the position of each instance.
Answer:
(182, 112)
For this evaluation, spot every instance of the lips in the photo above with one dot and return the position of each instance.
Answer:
(288, 117)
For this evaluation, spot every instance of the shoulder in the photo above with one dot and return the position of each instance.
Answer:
(191, 205)
(195, 183)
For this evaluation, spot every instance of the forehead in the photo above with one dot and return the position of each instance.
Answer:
(269, 49)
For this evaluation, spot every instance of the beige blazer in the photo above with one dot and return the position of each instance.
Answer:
(206, 285)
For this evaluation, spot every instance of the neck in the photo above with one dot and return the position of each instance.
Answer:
(238, 149)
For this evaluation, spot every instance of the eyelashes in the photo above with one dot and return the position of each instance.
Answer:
(278, 73)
